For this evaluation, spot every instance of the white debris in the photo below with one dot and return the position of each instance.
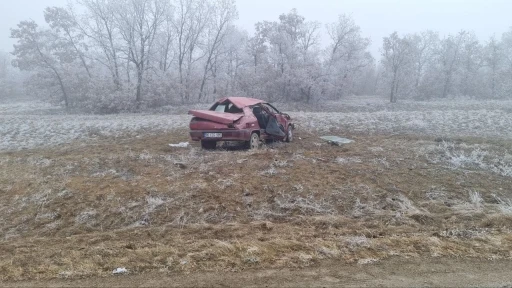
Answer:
(367, 261)
(120, 271)
(180, 145)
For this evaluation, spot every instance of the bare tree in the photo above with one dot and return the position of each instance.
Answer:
(99, 24)
(62, 21)
(309, 37)
(139, 21)
(472, 59)
(493, 59)
(424, 45)
(450, 58)
(348, 51)
(235, 58)
(190, 21)
(506, 49)
(38, 49)
(396, 53)
(166, 39)
(223, 13)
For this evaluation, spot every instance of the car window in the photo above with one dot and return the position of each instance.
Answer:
(221, 108)
(271, 108)
(233, 109)
(226, 108)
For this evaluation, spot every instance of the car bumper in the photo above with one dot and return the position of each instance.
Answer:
(227, 135)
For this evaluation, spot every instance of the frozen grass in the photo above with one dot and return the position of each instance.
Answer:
(142, 205)
(286, 205)
(470, 156)
(451, 123)
(505, 205)
(31, 131)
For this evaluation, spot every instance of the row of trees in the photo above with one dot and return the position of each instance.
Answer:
(113, 55)
(121, 54)
(425, 66)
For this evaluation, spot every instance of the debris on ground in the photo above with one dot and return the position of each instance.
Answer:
(180, 145)
(181, 165)
(335, 140)
(119, 271)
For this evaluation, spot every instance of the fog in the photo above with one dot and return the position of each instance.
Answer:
(132, 150)
(124, 55)
(377, 18)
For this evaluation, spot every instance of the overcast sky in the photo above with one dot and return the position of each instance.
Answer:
(377, 18)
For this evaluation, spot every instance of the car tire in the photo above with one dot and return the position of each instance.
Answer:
(208, 145)
(289, 134)
(254, 142)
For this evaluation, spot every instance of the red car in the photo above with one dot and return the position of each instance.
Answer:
(240, 119)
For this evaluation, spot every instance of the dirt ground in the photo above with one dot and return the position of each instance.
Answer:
(388, 210)
(394, 272)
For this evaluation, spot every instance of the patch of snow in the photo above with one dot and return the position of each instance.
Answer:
(180, 145)
(121, 270)
(367, 261)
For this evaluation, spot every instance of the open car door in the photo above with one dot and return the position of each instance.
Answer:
(268, 121)
(274, 129)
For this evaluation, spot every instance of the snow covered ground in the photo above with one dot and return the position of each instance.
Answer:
(445, 123)
(30, 131)
(34, 124)
(30, 125)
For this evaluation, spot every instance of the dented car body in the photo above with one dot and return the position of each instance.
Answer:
(242, 119)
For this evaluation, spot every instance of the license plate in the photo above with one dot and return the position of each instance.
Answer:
(212, 135)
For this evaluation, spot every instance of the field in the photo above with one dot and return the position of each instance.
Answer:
(81, 195)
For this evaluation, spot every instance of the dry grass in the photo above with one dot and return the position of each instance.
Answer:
(84, 210)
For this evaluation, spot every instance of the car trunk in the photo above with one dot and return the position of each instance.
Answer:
(218, 117)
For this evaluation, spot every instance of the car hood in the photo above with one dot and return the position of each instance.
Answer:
(223, 118)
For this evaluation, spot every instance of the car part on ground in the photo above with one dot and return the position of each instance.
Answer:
(289, 134)
(335, 140)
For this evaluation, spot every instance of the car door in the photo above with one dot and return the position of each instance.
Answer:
(279, 129)
(281, 119)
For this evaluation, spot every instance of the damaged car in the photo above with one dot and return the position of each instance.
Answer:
(240, 119)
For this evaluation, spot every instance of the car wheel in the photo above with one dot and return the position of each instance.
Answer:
(289, 134)
(208, 145)
(254, 143)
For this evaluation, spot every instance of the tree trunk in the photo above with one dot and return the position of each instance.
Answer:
(418, 77)
(446, 86)
(61, 84)
(180, 70)
(85, 64)
(392, 96)
(138, 98)
(203, 81)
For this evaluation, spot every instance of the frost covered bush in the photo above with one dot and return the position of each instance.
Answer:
(464, 156)
(107, 101)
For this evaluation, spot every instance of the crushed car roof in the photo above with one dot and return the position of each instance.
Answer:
(242, 102)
